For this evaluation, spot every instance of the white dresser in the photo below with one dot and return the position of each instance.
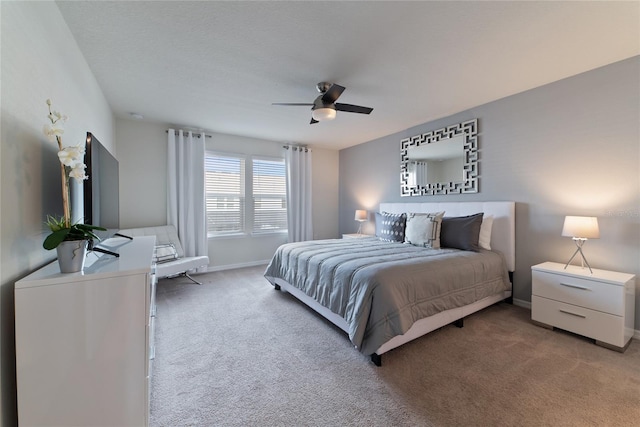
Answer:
(599, 305)
(84, 340)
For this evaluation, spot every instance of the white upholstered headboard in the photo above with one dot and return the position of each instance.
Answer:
(503, 233)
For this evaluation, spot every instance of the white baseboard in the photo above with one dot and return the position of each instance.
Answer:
(211, 269)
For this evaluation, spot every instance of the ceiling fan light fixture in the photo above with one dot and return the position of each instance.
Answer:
(323, 114)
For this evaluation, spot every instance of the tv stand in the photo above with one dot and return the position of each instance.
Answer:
(105, 251)
(93, 248)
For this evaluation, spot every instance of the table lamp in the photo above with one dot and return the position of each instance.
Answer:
(580, 228)
(361, 216)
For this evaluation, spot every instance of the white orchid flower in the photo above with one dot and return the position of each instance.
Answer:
(67, 158)
(79, 149)
(52, 131)
(71, 156)
(59, 116)
(78, 172)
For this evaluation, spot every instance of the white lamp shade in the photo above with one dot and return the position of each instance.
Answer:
(361, 215)
(321, 114)
(583, 227)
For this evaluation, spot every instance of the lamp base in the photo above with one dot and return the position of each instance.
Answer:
(579, 242)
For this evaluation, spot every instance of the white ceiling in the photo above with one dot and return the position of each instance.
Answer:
(218, 66)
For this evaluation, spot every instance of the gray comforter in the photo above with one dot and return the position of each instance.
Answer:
(382, 288)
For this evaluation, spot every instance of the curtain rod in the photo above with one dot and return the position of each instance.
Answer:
(197, 135)
(296, 147)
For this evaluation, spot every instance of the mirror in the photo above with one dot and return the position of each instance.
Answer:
(440, 161)
(444, 161)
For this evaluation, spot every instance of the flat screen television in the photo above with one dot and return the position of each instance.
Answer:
(101, 190)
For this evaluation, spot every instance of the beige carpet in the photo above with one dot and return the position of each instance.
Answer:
(235, 352)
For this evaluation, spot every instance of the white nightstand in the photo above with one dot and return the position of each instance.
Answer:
(599, 305)
(355, 236)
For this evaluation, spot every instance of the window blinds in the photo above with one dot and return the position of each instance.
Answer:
(225, 194)
(269, 196)
(227, 180)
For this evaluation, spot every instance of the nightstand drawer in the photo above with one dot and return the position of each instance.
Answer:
(594, 324)
(591, 294)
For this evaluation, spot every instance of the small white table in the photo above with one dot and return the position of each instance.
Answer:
(355, 236)
(598, 305)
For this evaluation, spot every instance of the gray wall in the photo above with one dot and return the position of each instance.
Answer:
(568, 148)
(40, 60)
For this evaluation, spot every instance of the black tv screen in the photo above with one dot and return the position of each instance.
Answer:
(101, 189)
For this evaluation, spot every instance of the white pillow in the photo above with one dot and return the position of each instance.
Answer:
(423, 229)
(485, 232)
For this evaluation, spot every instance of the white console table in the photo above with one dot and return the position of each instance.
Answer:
(84, 341)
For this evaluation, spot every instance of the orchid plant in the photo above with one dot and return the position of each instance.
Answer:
(71, 166)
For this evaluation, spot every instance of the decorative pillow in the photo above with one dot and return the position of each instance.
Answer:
(165, 253)
(423, 229)
(484, 241)
(462, 232)
(390, 227)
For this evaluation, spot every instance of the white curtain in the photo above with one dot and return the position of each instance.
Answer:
(298, 161)
(185, 190)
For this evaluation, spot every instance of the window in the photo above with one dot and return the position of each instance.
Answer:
(269, 196)
(224, 187)
(227, 181)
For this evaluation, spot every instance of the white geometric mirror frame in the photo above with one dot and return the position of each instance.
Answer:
(469, 183)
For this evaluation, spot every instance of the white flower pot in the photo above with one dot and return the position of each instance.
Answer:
(71, 255)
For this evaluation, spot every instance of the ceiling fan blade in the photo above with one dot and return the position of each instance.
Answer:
(353, 108)
(313, 121)
(334, 92)
(295, 104)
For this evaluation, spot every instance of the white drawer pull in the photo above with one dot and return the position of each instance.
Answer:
(575, 286)
(573, 314)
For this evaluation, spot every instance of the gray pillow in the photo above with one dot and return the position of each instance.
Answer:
(390, 227)
(461, 232)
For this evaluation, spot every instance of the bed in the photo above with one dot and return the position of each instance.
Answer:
(386, 293)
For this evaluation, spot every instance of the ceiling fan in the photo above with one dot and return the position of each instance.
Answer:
(325, 105)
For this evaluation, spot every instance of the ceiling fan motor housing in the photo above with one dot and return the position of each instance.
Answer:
(323, 86)
(319, 103)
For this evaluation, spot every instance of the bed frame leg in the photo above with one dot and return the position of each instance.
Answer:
(376, 359)
(277, 287)
(459, 323)
(510, 299)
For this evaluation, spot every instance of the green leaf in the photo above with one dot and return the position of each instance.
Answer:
(89, 227)
(54, 239)
(75, 232)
